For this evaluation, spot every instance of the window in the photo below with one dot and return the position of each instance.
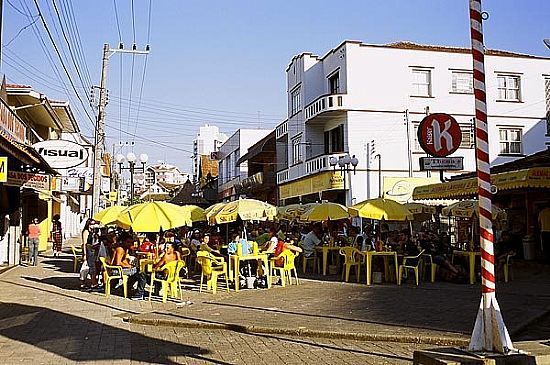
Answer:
(547, 96)
(235, 165)
(296, 155)
(422, 83)
(508, 87)
(462, 82)
(295, 102)
(334, 83)
(510, 141)
(334, 140)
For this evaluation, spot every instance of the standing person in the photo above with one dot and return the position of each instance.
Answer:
(34, 239)
(56, 235)
(544, 226)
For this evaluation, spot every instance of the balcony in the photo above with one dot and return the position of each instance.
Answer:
(325, 104)
(310, 167)
(281, 130)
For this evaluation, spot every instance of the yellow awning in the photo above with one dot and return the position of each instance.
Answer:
(536, 177)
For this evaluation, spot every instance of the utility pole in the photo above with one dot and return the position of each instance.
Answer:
(409, 150)
(100, 131)
(100, 125)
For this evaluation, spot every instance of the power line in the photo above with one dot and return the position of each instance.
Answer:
(117, 21)
(20, 31)
(16, 8)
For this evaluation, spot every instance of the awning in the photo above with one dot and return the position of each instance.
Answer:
(536, 177)
(257, 148)
(24, 153)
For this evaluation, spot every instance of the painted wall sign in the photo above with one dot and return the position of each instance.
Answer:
(3, 169)
(439, 134)
(11, 124)
(28, 180)
(61, 154)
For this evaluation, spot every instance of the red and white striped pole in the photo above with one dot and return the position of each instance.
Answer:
(490, 332)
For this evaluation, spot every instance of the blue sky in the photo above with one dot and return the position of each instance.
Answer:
(223, 62)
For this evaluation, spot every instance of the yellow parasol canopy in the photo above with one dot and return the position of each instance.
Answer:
(380, 209)
(469, 209)
(291, 211)
(421, 212)
(108, 215)
(197, 213)
(325, 212)
(246, 209)
(153, 216)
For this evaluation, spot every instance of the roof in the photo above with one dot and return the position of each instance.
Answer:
(420, 47)
(257, 148)
(24, 153)
(538, 159)
(167, 186)
(187, 195)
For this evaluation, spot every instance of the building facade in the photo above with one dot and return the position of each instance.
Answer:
(367, 101)
(209, 139)
(230, 171)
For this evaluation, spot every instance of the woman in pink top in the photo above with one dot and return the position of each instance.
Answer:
(34, 239)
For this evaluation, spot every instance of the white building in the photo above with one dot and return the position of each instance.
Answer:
(209, 139)
(163, 173)
(229, 172)
(354, 99)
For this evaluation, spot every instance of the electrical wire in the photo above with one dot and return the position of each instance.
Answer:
(117, 21)
(20, 31)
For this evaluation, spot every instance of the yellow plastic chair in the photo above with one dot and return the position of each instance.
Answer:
(306, 259)
(433, 266)
(212, 267)
(185, 254)
(77, 257)
(507, 267)
(352, 258)
(172, 281)
(410, 266)
(285, 271)
(108, 276)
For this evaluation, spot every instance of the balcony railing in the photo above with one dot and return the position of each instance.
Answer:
(324, 104)
(281, 129)
(320, 163)
(282, 176)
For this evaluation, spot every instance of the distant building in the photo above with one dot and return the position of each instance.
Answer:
(209, 139)
(163, 173)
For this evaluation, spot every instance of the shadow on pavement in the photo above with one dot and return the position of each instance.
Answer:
(79, 339)
(61, 263)
(62, 282)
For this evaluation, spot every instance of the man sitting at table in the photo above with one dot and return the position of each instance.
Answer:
(312, 239)
(120, 258)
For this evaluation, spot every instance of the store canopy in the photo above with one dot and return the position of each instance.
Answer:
(535, 177)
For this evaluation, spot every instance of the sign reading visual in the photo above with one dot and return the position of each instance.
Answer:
(3, 169)
(439, 134)
(61, 154)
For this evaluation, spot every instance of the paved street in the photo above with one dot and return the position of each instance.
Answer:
(46, 319)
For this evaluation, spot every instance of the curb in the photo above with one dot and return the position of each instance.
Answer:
(517, 331)
(302, 332)
(6, 269)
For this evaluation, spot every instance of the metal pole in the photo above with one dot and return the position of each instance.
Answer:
(379, 174)
(100, 131)
(490, 333)
(409, 151)
(131, 183)
(343, 172)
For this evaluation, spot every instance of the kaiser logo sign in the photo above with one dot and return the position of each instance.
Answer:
(60, 154)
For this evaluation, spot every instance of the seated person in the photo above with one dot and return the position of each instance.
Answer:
(281, 247)
(503, 248)
(195, 241)
(120, 258)
(433, 246)
(311, 240)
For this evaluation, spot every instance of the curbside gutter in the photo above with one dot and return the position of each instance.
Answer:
(302, 332)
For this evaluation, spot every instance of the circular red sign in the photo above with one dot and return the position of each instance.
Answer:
(439, 134)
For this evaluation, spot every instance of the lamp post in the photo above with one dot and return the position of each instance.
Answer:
(344, 163)
(131, 157)
(379, 174)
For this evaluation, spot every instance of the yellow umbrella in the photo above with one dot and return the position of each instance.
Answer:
(380, 209)
(325, 212)
(246, 209)
(108, 215)
(197, 213)
(153, 216)
(469, 209)
(212, 210)
(291, 211)
(421, 212)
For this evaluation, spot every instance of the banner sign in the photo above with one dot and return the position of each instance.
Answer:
(61, 154)
(28, 180)
(3, 169)
(439, 134)
(11, 124)
(441, 163)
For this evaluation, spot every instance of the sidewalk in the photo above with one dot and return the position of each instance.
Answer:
(438, 314)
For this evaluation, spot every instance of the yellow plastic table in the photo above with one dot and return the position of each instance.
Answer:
(386, 255)
(235, 262)
(471, 255)
(325, 250)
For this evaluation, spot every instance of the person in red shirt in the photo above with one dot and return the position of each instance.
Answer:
(34, 239)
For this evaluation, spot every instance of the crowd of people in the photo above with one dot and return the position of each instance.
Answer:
(120, 247)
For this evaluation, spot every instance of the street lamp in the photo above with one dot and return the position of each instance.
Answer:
(344, 163)
(131, 157)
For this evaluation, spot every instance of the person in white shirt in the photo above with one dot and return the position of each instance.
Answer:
(311, 240)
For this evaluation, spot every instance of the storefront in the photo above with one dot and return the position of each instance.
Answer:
(327, 185)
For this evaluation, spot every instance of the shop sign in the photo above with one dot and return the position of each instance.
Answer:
(3, 169)
(311, 185)
(61, 154)
(10, 124)
(105, 184)
(439, 134)
(441, 163)
(72, 184)
(336, 181)
(28, 180)
(113, 196)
